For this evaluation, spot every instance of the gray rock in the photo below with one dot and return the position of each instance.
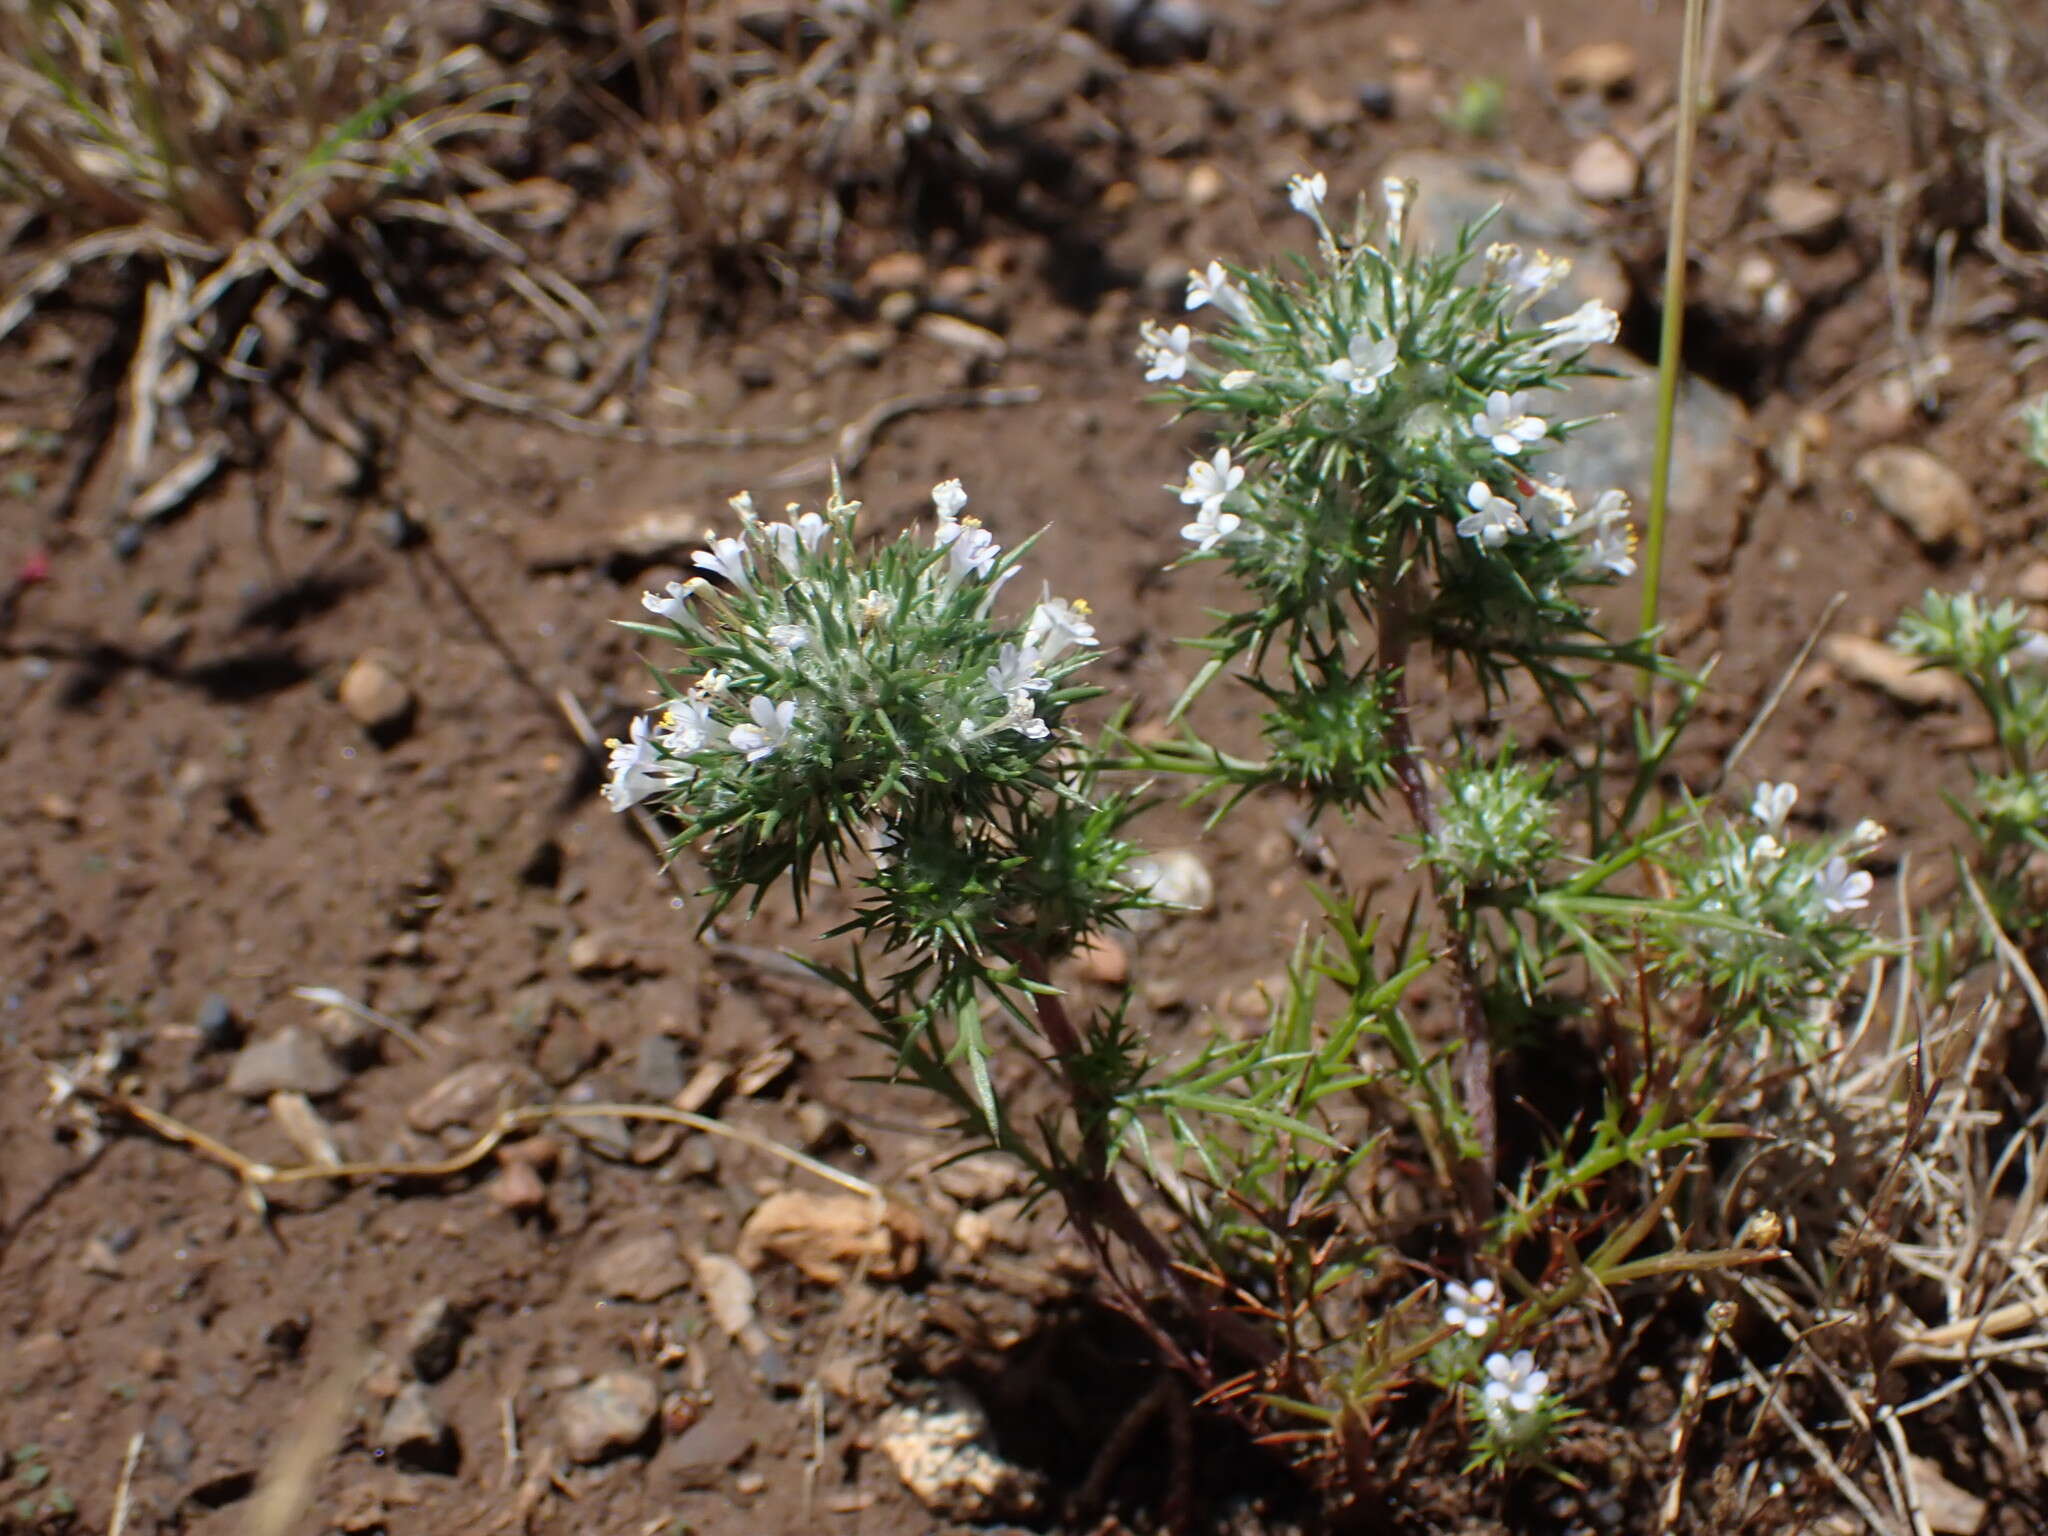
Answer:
(658, 1071)
(1711, 455)
(416, 1435)
(433, 1338)
(608, 1416)
(645, 1267)
(291, 1061)
(1539, 212)
(1152, 32)
(702, 1454)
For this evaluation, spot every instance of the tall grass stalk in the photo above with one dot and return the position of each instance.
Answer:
(1672, 334)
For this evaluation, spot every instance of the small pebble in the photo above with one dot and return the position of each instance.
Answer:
(1205, 184)
(699, 1456)
(291, 1061)
(608, 1416)
(1102, 959)
(416, 1435)
(897, 270)
(1803, 211)
(1605, 170)
(658, 1069)
(1933, 502)
(375, 697)
(562, 359)
(466, 1096)
(219, 1029)
(519, 1189)
(645, 1267)
(1599, 69)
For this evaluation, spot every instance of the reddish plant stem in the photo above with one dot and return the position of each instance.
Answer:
(1475, 1062)
(1098, 1203)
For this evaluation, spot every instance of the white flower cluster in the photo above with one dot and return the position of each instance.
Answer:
(659, 751)
(1552, 512)
(1514, 1388)
(1839, 888)
(1369, 358)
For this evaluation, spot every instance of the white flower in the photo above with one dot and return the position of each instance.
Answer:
(1305, 194)
(1867, 834)
(1505, 425)
(1588, 325)
(1213, 286)
(712, 685)
(970, 549)
(1612, 547)
(1492, 517)
(729, 558)
(671, 602)
(1766, 849)
(1554, 509)
(685, 726)
(1514, 1386)
(636, 768)
(1211, 526)
(1772, 803)
(768, 729)
(1022, 715)
(1366, 361)
(874, 608)
(792, 541)
(1472, 1310)
(1211, 480)
(1397, 194)
(1164, 353)
(1529, 277)
(1016, 667)
(1057, 626)
(789, 637)
(1840, 888)
(948, 497)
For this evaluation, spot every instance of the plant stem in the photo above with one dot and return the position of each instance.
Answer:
(1475, 1063)
(1095, 1199)
(1673, 330)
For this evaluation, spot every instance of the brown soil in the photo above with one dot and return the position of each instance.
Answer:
(189, 811)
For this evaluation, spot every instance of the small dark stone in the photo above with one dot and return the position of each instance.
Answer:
(543, 867)
(127, 540)
(433, 1338)
(399, 528)
(219, 1029)
(1152, 32)
(1377, 99)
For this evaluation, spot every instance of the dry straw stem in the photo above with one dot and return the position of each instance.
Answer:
(1914, 1213)
(1976, 73)
(258, 1176)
